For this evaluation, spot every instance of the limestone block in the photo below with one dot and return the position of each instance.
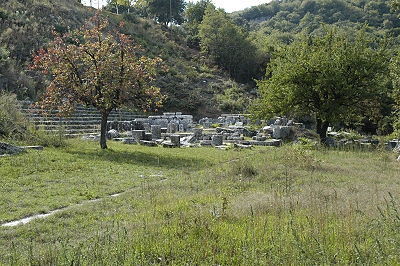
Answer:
(198, 132)
(217, 140)
(129, 141)
(138, 135)
(281, 132)
(6, 148)
(112, 133)
(156, 131)
(205, 143)
(176, 140)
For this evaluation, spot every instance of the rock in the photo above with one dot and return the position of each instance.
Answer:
(112, 133)
(189, 140)
(148, 136)
(397, 148)
(330, 142)
(129, 141)
(205, 143)
(398, 159)
(137, 125)
(242, 146)
(222, 147)
(156, 131)
(206, 137)
(392, 144)
(217, 140)
(138, 135)
(172, 127)
(37, 148)
(168, 144)
(281, 132)
(272, 142)
(198, 133)
(91, 137)
(176, 140)
(146, 127)
(148, 143)
(262, 138)
(249, 133)
(6, 148)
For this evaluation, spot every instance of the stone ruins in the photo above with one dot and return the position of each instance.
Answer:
(179, 130)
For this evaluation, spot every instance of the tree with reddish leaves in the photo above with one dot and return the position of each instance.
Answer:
(94, 66)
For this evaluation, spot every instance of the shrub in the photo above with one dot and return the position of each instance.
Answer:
(15, 126)
(13, 123)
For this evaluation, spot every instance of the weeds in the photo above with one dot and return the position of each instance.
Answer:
(199, 214)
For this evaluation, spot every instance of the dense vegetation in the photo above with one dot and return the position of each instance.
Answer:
(214, 58)
(192, 85)
(284, 19)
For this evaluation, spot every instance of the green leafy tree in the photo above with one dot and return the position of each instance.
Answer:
(227, 44)
(93, 66)
(166, 11)
(331, 77)
(194, 14)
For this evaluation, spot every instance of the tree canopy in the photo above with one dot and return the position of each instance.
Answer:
(97, 67)
(227, 44)
(331, 77)
(166, 11)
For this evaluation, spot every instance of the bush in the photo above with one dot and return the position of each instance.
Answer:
(13, 124)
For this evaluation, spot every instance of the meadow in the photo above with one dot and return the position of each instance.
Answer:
(286, 205)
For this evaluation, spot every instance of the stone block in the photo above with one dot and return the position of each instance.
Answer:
(198, 132)
(148, 136)
(129, 141)
(148, 143)
(112, 133)
(6, 148)
(217, 140)
(281, 132)
(176, 140)
(205, 143)
(146, 127)
(156, 131)
(138, 135)
(172, 128)
(137, 125)
(168, 144)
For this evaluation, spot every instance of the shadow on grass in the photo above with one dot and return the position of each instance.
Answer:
(165, 160)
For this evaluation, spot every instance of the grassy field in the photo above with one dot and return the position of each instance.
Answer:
(200, 206)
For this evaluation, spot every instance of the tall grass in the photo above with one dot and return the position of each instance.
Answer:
(223, 208)
(15, 127)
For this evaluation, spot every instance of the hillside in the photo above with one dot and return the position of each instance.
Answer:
(282, 20)
(202, 70)
(192, 85)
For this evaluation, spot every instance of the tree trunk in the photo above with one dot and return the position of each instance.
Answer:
(322, 127)
(103, 137)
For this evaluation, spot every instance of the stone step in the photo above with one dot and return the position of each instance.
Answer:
(74, 131)
(69, 122)
(42, 119)
(71, 127)
(82, 111)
